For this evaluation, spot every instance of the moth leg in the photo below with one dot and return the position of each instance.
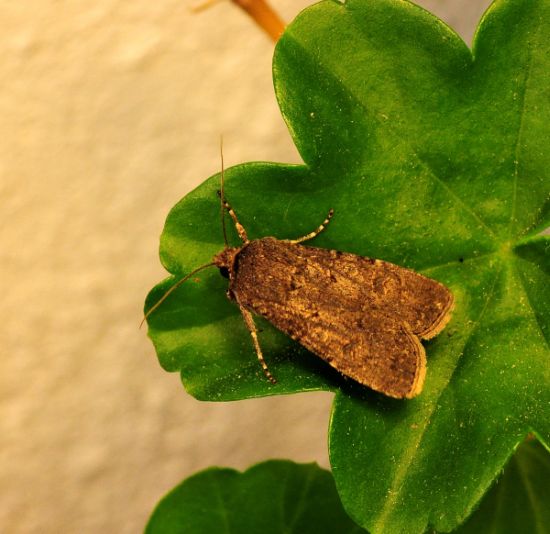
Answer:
(238, 226)
(316, 232)
(248, 319)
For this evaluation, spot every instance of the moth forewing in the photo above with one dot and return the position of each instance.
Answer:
(338, 306)
(441, 322)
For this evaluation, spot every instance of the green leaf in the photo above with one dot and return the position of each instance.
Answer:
(435, 158)
(272, 497)
(519, 500)
(281, 496)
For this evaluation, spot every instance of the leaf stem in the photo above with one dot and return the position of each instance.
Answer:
(264, 16)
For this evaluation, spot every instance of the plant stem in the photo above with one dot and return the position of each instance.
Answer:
(264, 16)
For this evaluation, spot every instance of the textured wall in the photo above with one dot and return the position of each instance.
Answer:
(110, 112)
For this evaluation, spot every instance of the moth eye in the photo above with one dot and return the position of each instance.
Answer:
(224, 271)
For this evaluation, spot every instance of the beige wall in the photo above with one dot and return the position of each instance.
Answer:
(110, 111)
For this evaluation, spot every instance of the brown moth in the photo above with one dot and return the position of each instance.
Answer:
(365, 317)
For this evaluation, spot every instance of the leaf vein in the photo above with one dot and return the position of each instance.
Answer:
(517, 148)
(454, 262)
(222, 506)
(530, 307)
(539, 524)
(495, 523)
(386, 124)
(300, 504)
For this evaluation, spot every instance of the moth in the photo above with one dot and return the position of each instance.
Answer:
(363, 316)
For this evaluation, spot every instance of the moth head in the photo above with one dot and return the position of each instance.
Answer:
(225, 260)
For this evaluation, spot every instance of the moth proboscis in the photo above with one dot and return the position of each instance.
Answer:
(363, 316)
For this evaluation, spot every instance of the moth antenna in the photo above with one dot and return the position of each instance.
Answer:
(173, 288)
(222, 197)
